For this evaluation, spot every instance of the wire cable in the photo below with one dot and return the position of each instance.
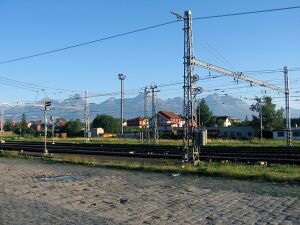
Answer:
(144, 29)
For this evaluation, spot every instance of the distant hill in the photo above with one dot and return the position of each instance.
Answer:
(220, 105)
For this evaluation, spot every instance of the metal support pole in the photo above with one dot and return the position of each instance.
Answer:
(53, 126)
(199, 114)
(87, 117)
(287, 107)
(261, 118)
(46, 130)
(154, 129)
(146, 116)
(1, 129)
(190, 152)
(122, 78)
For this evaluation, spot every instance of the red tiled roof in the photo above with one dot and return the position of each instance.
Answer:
(135, 119)
(169, 115)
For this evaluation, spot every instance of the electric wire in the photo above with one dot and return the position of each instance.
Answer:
(144, 29)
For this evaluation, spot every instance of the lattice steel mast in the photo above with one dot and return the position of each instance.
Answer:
(86, 117)
(287, 107)
(189, 90)
(2, 124)
(242, 76)
(146, 115)
(154, 129)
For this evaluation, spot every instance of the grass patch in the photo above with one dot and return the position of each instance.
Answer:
(273, 173)
(13, 155)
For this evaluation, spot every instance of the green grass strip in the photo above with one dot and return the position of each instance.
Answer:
(273, 172)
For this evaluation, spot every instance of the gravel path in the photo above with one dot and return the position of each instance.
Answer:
(37, 192)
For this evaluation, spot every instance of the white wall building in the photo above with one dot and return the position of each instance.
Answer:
(282, 134)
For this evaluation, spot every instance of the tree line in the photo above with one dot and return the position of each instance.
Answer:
(272, 119)
(74, 128)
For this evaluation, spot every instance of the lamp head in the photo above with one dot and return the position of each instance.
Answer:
(122, 76)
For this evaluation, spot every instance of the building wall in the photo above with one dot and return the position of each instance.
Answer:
(95, 132)
(282, 134)
(237, 132)
(227, 122)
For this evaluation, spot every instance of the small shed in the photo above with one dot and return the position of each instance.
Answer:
(96, 132)
(238, 132)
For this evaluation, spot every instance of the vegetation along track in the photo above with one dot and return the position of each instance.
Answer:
(239, 154)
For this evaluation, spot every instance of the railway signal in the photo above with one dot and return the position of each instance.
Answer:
(47, 105)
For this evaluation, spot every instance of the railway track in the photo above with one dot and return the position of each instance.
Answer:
(238, 154)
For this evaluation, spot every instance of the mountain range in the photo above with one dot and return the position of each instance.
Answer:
(133, 107)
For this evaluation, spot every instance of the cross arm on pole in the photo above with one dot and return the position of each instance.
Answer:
(237, 75)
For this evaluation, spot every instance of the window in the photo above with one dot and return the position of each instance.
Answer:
(280, 134)
(296, 133)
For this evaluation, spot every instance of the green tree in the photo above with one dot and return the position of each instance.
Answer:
(295, 122)
(206, 116)
(110, 124)
(24, 127)
(8, 126)
(271, 118)
(74, 128)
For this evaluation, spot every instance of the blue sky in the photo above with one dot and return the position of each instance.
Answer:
(252, 42)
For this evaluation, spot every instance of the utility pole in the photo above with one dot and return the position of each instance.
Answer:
(1, 128)
(122, 78)
(287, 107)
(154, 129)
(47, 104)
(190, 151)
(199, 113)
(189, 90)
(53, 125)
(52, 118)
(20, 130)
(87, 117)
(260, 117)
(146, 115)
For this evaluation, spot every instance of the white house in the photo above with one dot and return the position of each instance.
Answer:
(167, 121)
(224, 121)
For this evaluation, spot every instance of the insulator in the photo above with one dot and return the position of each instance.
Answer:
(195, 78)
(197, 90)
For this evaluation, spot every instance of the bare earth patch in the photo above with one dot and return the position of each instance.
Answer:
(38, 192)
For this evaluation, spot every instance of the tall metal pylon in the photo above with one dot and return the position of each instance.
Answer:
(287, 107)
(189, 90)
(1, 126)
(154, 129)
(146, 115)
(86, 117)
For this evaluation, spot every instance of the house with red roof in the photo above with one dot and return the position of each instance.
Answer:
(168, 121)
(139, 122)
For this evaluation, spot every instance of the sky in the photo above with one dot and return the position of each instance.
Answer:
(244, 43)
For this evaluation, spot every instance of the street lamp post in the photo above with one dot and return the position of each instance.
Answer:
(122, 78)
